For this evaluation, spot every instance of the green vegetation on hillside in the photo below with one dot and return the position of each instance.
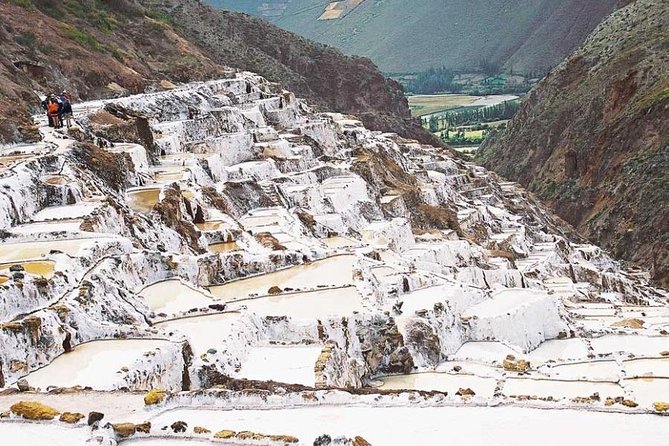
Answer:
(403, 36)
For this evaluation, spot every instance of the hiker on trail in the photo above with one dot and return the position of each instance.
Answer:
(66, 109)
(52, 107)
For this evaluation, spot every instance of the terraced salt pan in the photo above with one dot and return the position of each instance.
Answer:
(223, 247)
(594, 371)
(143, 200)
(42, 434)
(10, 252)
(307, 305)
(286, 364)
(94, 364)
(634, 344)
(44, 268)
(69, 225)
(459, 298)
(559, 350)
(484, 351)
(78, 210)
(646, 391)
(203, 332)
(471, 426)
(658, 367)
(173, 297)
(332, 271)
(544, 388)
(168, 442)
(339, 242)
(442, 382)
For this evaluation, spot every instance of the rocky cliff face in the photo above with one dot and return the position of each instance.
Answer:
(592, 139)
(100, 49)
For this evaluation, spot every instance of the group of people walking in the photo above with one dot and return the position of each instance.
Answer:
(58, 109)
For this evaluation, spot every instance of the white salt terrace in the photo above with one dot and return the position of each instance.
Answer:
(96, 364)
(313, 299)
(21, 251)
(335, 271)
(307, 304)
(143, 199)
(203, 332)
(43, 434)
(286, 364)
(442, 382)
(174, 296)
(451, 425)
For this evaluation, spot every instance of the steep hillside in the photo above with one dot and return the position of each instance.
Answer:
(106, 48)
(524, 35)
(593, 138)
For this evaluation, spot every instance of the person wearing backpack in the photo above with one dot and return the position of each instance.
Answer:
(53, 110)
(66, 109)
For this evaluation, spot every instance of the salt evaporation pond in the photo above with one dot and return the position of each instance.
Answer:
(223, 247)
(168, 442)
(10, 252)
(471, 426)
(36, 434)
(173, 297)
(339, 242)
(559, 350)
(634, 344)
(647, 368)
(560, 389)
(307, 305)
(442, 382)
(143, 200)
(286, 364)
(44, 268)
(93, 364)
(593, 370)
(646, 391)
(332, 271)
(203, 332)
(484, 351)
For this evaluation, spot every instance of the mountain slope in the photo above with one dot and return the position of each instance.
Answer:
(593, 137)
(100, 49)
(523, 35)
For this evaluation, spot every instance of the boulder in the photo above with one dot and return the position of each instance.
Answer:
(225, 434)
(179, 426)
(71, 417)
(511, 364)
(154, 396)
(465, 392)
(94, 418)
(201, 430)
(661, 407)
(274, 290)
(32, 410)
(23, 385)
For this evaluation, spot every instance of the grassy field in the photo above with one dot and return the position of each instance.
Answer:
(427, 104)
